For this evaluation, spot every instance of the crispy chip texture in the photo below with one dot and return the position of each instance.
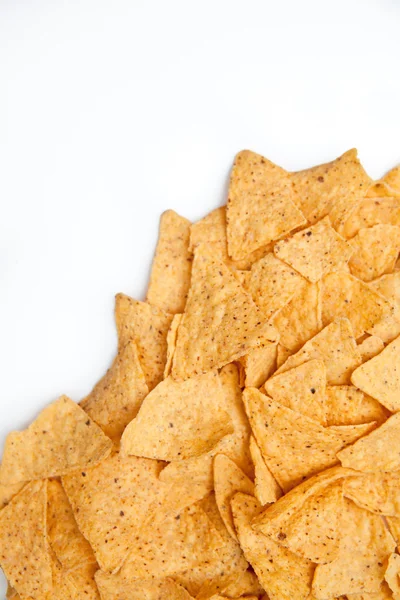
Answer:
(62, 439)
(315, 251)
(115, 587)
(171, 343)
(282, 574)
(170, 273)
(370, 347)
(375, 251)
(8, 491)
(320, 188)
(346, 405)
(392, 178)
(376, 492)
(147, 326)
(221, 322)
(179, 419)
(361, 563)
(380, 376)
(117, 397)
(377, 451)
(266, 489)
(372, 211)
(245, 585)
(24, 549)
(392, 575)
(261, 205)
(259, 364)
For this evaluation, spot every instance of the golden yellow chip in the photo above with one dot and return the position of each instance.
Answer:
(376, 251)
(377, 492)
(247, 584)
(392, 575)
(388, 286)
(383, 594)
(228, 480)
(259, 364)
(335, 346)
(171, 343)
(266, 489)
(179, 420)
(282, 355)
(300, 319)
(370, 347)
(115, 587)
(117, 397)
(24, 548)
(282, 574)
(8, 491)
(380, 376)
(272, 284)
(346, 405)
(148, 327)
(261, 205)
(62, 439)
(351, 433)
(372, 211)
(302, 389)
(170, 273)
(346, 296)
(220, 324)
(394, 528)
(321, 188)
(293, 446)
(377, 451)
(361, 563)
(392, 178)
(315, 251)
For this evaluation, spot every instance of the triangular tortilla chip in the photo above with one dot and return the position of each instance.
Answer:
(220, 324)
(375, 251)
(320, 188)
(370, 347)
(60, 440)
(282, 574)
(115, 587)
(315, 251)
(346, 296)
(228, 480)
(179, 420)
(24, 549)
(272, 284)
(376, 492)
(301, 389)
(372, 211)
(361, 563)
(377, 451)
(293, 446)
(259, 364)
(170, 273)
(171, 343)
(346, 405)
(261, 204)
(380, 376)
(392, 575)
(300, 319)
(147, 326)
(266, 489)
(336, 346)
(116, 398)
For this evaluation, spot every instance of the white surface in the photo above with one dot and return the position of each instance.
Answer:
(111, 112)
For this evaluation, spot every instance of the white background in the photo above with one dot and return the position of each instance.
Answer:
(113, 111)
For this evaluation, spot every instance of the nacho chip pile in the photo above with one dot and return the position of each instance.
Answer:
(245, 442)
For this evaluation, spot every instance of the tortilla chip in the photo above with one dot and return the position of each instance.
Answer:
(259, 364)
(261, 205)
(383, 594)
(300, 319)
(170, 273)
(282, 355)
(392, 575)
(380, 376)
(229, 479)
(114, 587)
(376, 492)
(361, 563)
(346, 405)
(394, 528)
(372, 211)
(377, 451)
(147, 326)
(301, 389)
(282, 574)
(376, 251)
(110, 484)
(293, 446)
(315, 251)
(272, 284)
(117, 397)
(8, 491)
(266, 489)
(220, 324)
(60, 440)
(346, 296)
(247, 584)
(171, 343)
(179, 420)
(351, 433)
(24, 549)
(370, 347)
(336, 346)
(320, 188)
(392, 178)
